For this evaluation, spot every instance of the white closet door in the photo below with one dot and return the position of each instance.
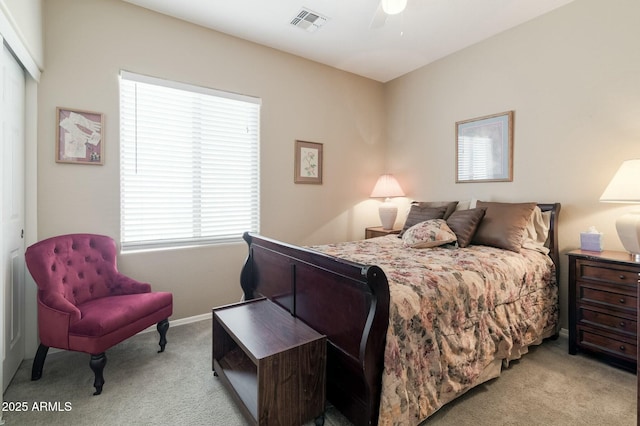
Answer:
(12, 188)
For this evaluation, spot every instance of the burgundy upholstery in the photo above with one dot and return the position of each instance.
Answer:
(84, 303)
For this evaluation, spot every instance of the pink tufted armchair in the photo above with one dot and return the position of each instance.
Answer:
(85, 304)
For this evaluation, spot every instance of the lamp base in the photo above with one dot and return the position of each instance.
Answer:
(388, 212)
(628, 227)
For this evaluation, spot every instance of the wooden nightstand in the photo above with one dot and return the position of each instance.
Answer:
(378, 231)
(273, 364)
(603, 310)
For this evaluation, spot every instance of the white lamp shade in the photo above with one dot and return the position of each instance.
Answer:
(625, 188)
(393, 7)
(625, 185)
(387, 186)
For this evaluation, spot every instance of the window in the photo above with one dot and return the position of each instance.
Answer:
(189, 164)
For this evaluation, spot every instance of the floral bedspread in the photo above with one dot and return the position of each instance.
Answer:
(456, 316)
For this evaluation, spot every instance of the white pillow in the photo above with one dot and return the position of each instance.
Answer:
(467, 204)
(537, 231)
(430, 233)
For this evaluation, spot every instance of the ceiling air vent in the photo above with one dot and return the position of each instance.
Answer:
(308, 20)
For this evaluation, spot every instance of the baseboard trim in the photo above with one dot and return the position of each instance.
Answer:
(181, 321)
(195, 318)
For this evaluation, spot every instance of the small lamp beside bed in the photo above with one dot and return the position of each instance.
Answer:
(386, 187)
(625, 188)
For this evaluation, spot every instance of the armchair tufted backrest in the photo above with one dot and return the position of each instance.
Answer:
(80, 267)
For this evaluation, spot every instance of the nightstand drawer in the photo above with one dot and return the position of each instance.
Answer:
(589, 271)
(619, 348)
(615, 323)
(608, 296)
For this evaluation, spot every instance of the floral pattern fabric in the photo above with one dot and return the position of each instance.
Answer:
(429, 233)
(456, 315)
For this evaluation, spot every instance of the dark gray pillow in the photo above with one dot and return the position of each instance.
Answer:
(419, 214)
(464, 224)
(450, 205)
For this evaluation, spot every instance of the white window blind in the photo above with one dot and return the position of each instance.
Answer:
(189, 164)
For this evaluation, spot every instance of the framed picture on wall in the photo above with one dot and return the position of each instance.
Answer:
(79, 136)
(308, 162)
(484, 149)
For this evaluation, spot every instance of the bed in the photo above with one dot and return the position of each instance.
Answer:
(411, 327)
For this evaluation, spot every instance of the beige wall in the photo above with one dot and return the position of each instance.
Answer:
(88, 42)
(573, 79)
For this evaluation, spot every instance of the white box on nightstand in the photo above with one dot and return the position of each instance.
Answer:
(591, 241)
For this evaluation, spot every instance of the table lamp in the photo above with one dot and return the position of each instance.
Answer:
(386, 187)
(625, 188)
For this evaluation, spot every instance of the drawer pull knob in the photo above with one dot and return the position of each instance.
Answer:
(622, 324)
(621, 276)
(622, 300)
(622, 348)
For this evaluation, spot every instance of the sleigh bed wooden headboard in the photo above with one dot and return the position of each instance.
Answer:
(346, 301)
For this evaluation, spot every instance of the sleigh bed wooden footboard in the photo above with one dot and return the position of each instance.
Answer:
(346, 301)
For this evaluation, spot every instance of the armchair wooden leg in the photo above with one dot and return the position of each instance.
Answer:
(97, 364)
(162, 327)
(38, 362)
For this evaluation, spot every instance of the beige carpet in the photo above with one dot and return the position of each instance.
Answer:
(546, 387)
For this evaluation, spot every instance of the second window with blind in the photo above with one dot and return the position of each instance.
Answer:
(189, 164)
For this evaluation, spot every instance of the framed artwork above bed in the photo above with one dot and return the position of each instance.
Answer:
(484, 149)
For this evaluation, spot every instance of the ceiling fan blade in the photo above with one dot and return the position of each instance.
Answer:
(379, 18)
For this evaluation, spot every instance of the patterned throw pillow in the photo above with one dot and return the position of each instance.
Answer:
(430, 233)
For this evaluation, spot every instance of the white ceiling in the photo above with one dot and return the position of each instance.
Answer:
(426, 31)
